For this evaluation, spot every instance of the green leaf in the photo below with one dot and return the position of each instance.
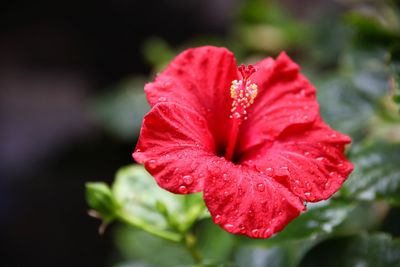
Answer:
(378, 250)
(145, 205)
(344, 107)
(215, 244)
(121, 109)
(248, 256)
(376, 174)
(137, 246)
(157, 52)
(321, 219)
(394, 64)
(99, 197)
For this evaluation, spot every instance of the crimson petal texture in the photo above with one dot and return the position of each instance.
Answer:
(307, 160)
(174, 142)
(245, 201)
(199, 78)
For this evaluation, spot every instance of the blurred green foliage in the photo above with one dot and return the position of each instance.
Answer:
(352, 54)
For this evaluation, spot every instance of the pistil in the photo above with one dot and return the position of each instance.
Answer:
(243, 92)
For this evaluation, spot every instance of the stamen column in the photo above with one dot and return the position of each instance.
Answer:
(243, 93)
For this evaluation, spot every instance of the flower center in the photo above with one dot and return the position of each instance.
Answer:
(243, 92)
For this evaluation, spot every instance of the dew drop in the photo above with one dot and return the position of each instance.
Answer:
(327, 184)
(261, 187)
(240, 191)
(229, 226)
(255, 232)
(218, 219)
(307, 194)
(138, 150)
(340, 165)
(267, 233)
(333, 135)
(187, 179)
(225, 177)
(226, 193)
(242, 228)
(307, 153)
(162, 99)
(269, 171)
(297, 181)
(183, 189)
(283, 171)
(151, 164)
(251, 213)
(305, 117)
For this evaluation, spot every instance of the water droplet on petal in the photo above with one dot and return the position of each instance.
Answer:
(187, 179)
(229, 226)
(183, 189)
(225, 177)
(218, 219)
(309, 196)
(226, 193)
(307, 153)
(334, 135)
(267, 233)
(297, 181)
(240, 191)
(151, 164)
(269, 171)
(138, 150)
(162, 99)
(255, 232)
(261, 187)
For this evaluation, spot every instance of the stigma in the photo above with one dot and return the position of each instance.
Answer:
(243, 92)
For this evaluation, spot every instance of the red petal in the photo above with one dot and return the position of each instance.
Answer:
(308, 160)
(244, 201)
(285, 98)
(174, 143)
(199, 78)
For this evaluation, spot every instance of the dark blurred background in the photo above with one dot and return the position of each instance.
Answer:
(58, 60)
(55, 57)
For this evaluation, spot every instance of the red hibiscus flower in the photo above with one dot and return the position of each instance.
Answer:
(250, 138)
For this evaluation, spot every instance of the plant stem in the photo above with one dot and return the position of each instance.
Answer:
(148, 228)
(190, 243)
